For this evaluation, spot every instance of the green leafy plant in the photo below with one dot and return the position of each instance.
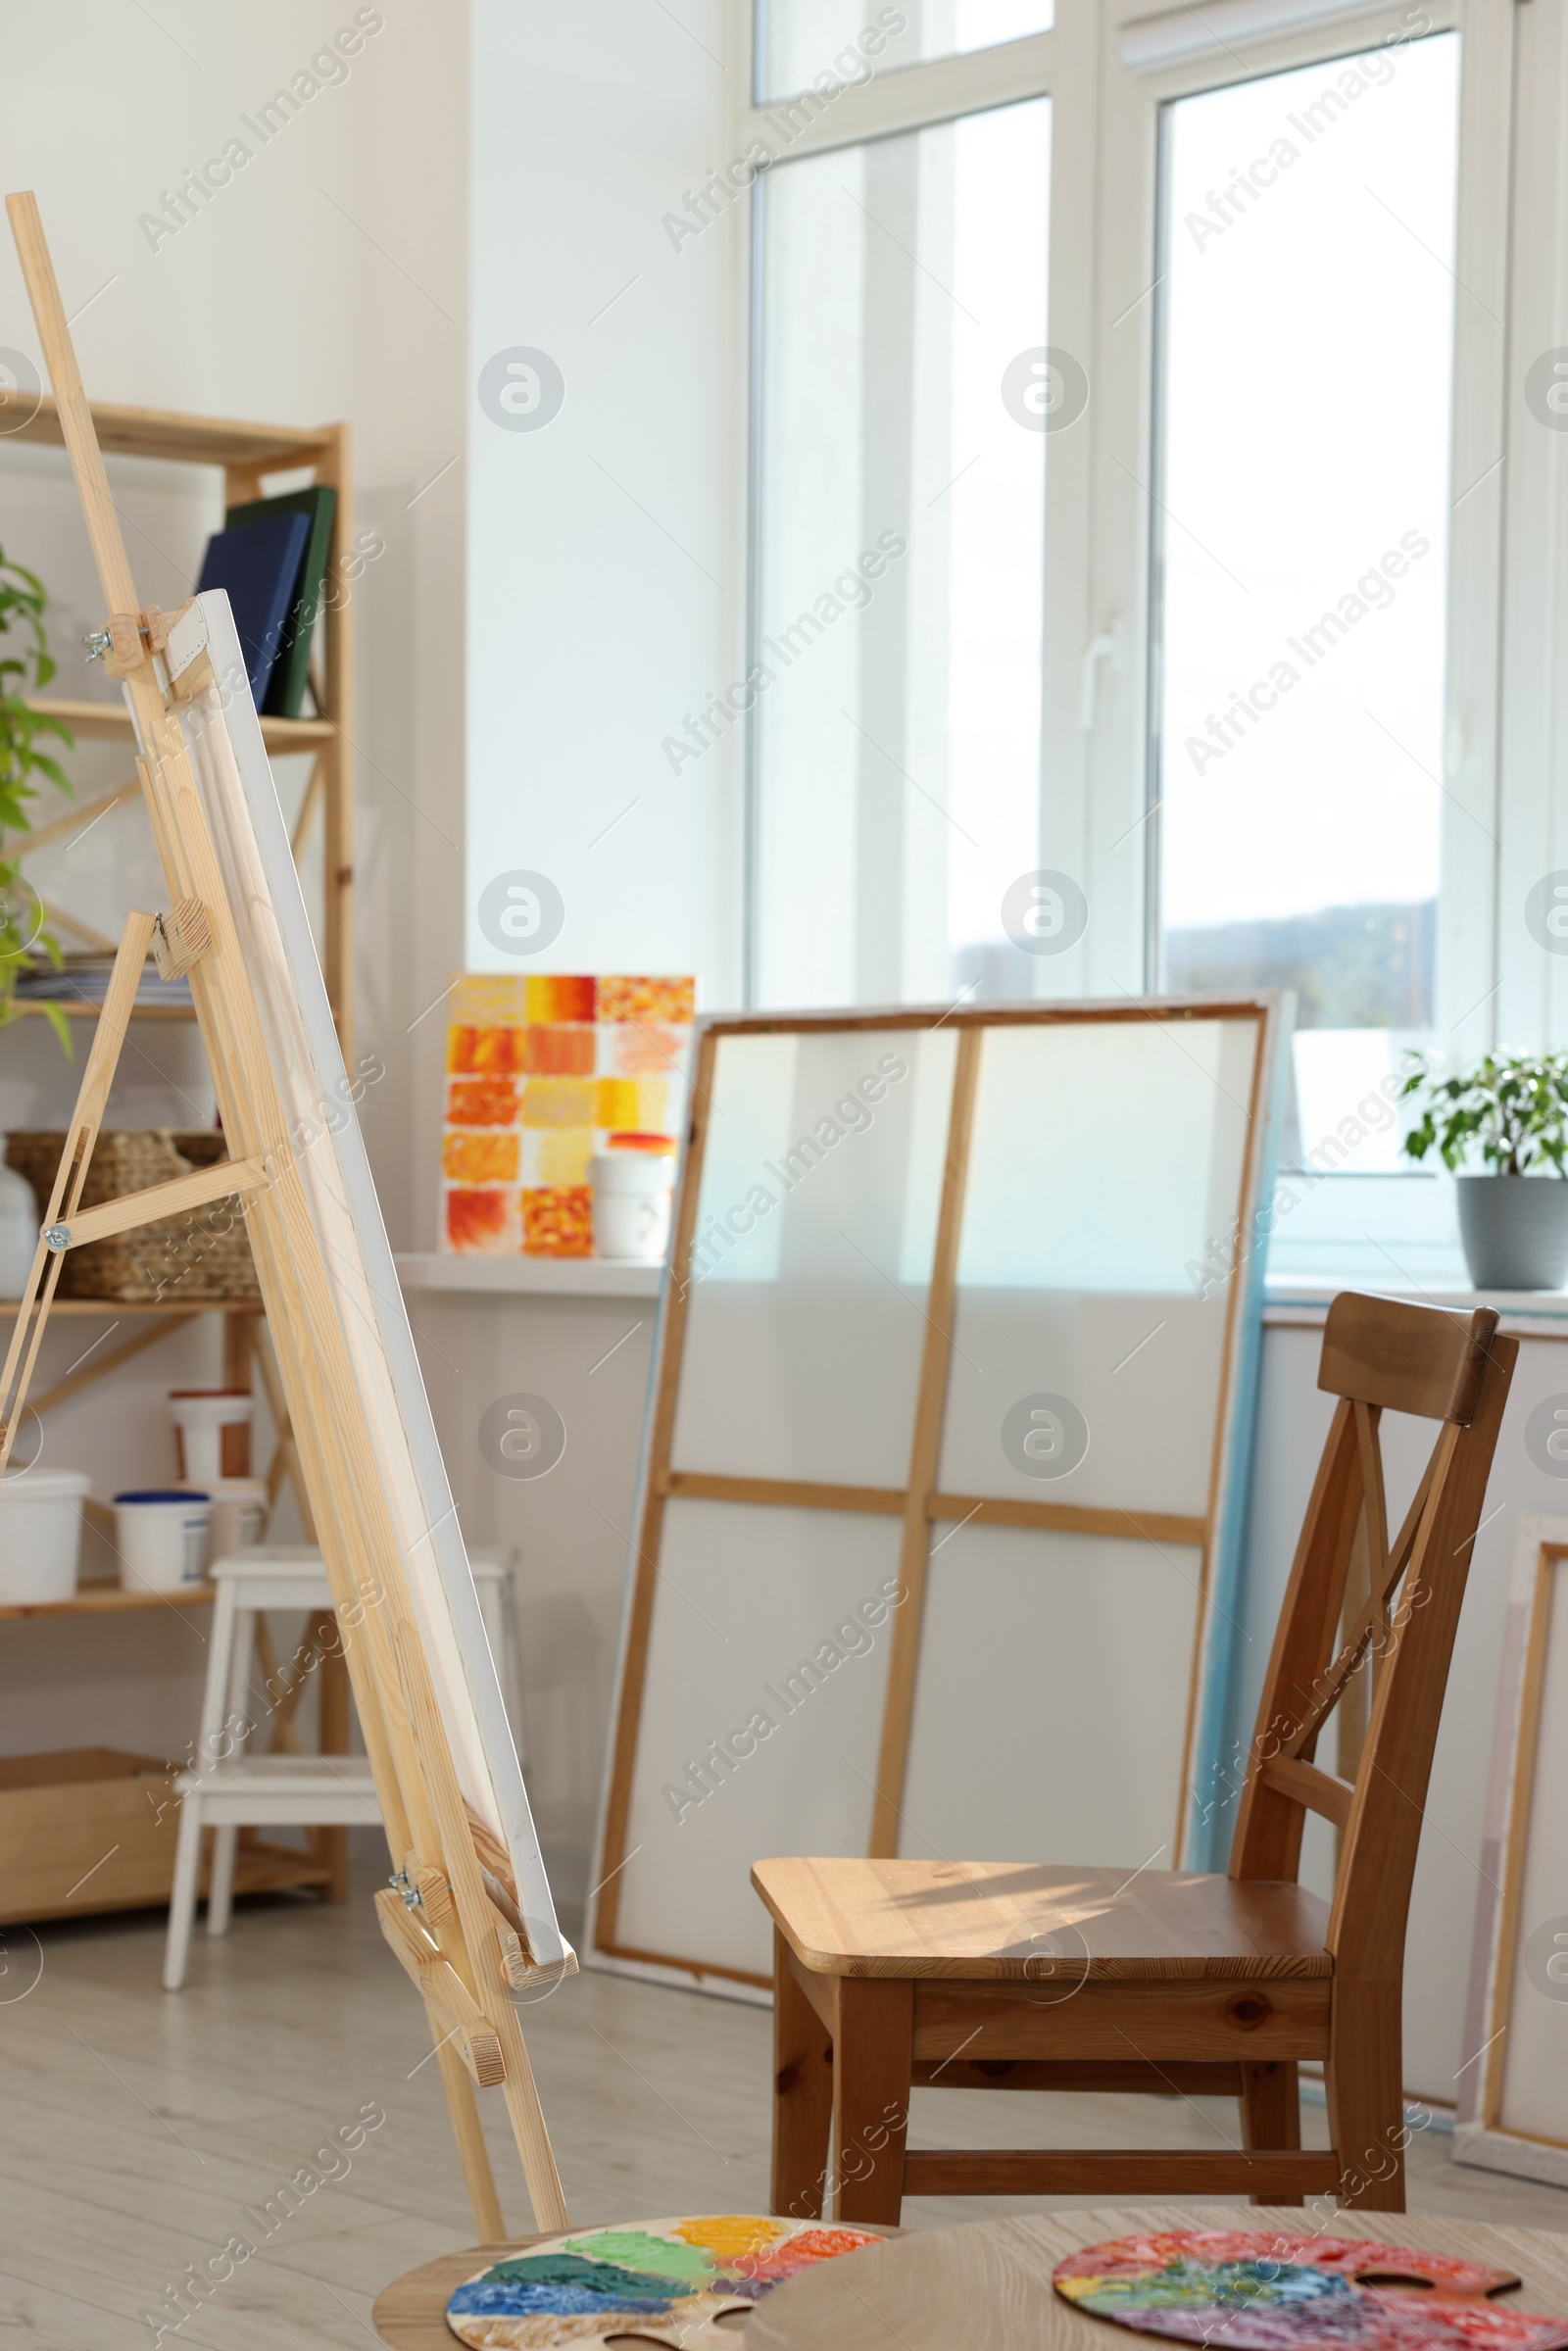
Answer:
(25, 669)
(1510, 1109)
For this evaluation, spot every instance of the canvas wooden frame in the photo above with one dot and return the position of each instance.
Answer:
(1483, 2134)
(918, 1504)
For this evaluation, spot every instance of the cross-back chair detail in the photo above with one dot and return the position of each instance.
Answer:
(897, 1972)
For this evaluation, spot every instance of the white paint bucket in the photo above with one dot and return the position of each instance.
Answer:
(631, 1205)
(238, 1516)
(212, 1432)
(40, 1533)
(160, 1536)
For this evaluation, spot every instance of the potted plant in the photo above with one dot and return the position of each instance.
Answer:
(1511, 1111)
(25, 669)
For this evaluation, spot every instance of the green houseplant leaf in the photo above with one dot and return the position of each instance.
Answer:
(25, 669)
(1508, 1110)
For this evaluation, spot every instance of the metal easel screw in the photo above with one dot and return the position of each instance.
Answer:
(57, 1236)
(97, 642)
(411, 1897)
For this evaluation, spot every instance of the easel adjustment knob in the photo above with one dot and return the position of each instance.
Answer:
(57, 1236)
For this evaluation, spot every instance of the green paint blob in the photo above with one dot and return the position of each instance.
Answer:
(655, 2254)
(569, 2269)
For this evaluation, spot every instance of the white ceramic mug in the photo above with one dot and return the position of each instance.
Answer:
(632, 1191)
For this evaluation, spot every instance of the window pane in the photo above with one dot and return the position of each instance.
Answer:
(799, 42)
(1301, 542)
(897, 630)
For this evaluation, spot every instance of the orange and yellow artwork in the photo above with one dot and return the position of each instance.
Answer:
(543, 1071)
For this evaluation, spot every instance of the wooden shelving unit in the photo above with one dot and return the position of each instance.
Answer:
(111, 1600)
(247, 456)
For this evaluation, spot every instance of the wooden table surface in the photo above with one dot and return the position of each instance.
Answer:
(985, 2285)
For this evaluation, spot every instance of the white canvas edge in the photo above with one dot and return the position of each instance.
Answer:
(1271, 1003)
(209, 624)
(1501, 2151)
(1531, 1531)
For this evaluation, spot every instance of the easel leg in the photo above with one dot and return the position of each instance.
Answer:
(330, 1845)
(480, 2180)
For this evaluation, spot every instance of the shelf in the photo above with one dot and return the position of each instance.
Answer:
(110, 722)
(132, 1305)
(31, 1006)
(186, 440)
(110, 1601)
(536, 1277)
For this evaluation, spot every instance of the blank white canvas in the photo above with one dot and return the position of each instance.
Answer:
(240, 803)
(1108, 1169)
(747, 1596)
(1052, 1699)
(1535, 2077)
(823, 1298)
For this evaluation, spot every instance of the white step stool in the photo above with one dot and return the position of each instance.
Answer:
(238, 1791)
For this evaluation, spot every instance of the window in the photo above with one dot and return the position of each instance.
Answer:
(1198, 616)
(904, 398)
(800, 41)
(1302, 549)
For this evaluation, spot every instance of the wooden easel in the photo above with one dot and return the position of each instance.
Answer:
(452, 1923)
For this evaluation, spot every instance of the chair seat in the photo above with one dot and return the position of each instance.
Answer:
(974, 1921)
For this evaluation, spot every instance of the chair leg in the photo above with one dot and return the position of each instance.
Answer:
(1271, 2115)
(1365, 2080)
(872, 2059)
(221, 1881)
(803, 2094)
(182, 1897)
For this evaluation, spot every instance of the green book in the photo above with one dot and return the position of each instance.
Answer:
(285, 694)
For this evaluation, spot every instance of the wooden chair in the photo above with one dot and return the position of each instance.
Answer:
(983, 1975)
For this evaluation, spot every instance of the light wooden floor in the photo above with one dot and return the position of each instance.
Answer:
(135, 2125)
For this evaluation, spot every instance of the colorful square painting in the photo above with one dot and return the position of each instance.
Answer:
(545, 1069)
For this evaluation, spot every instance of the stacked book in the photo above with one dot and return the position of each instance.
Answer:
(83, 979)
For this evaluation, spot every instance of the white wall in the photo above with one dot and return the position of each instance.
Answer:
(607, 548)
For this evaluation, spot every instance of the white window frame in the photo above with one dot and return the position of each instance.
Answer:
(1109, 66)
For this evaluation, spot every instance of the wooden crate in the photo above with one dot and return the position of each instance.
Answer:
(93, 1829)
(84, 1828)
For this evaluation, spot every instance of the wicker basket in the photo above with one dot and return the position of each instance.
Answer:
(198, 1259)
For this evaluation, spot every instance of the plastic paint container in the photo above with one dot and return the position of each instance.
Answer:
(40, 1533)
(160, 1536)
(212, 1432)
(238, 1516)
(632, 1191)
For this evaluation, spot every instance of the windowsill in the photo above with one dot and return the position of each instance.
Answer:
(1396, 1233)
(1287, 1298)
(536, 1277)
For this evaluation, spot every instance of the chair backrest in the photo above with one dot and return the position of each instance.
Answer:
(1378, 1357)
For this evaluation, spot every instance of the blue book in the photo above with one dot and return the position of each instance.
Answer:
(258, 564)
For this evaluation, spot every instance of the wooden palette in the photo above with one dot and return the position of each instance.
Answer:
(689, 2282)
(1251, 2291)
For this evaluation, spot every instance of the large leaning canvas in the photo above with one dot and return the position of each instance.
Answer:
(938, 1511)
(1513, 2085)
